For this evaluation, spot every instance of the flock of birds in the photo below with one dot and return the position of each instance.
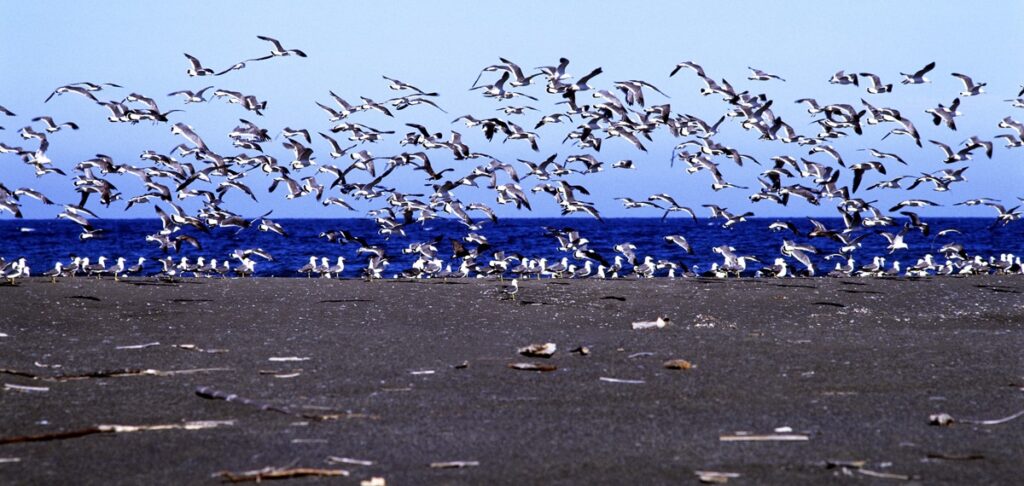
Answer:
(599, 114)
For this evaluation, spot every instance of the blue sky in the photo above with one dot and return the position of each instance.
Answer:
(442, 46)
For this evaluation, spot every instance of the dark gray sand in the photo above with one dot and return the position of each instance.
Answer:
(856, 366)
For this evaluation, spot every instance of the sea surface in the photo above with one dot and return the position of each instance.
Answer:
(44, 242)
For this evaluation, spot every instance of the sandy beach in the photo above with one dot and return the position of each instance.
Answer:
(405, 374)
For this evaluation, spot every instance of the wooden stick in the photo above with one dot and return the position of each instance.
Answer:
(278, 473)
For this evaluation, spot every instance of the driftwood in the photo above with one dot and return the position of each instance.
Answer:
(532, 366)
(278, 473)
(214, 394)
(116, 373)
(764, 438)
(115, 429)
(454, 464)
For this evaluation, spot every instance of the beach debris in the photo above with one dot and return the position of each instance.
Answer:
(138, 346)
(641, 354)
(309, 441)
(679, 364)
(747, 437)
(954, 457)
(278, 473)
(282, 373)
(715, 477)
(110, 373)
(26, 389)
(532, 366)
(117, 429)
(461, 366)
(858, 466)
(214, 394)
(422, 372)
(581, 350)
(3, 335)
(945, 419)
(348, 460)
(193, 347)
(8, 460)
(44, 365)
(621, 380)
(539, 350)
(284, 359)
(659, 323)
(783, 430)
(374, 481)
(454, 464)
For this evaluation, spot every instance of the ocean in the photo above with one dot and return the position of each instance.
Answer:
(44, 242)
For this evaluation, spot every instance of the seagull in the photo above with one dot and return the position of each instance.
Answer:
(876, 84)
(277, 51)
(680, 241)
(896, 241)
(840, 77)
(196, 68)
(918, 77)
(943, 114)
(759, 75)
(970, 89)
(53, 127)
(401, 86)
(190, 97)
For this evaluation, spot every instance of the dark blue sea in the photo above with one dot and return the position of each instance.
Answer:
(43, 242)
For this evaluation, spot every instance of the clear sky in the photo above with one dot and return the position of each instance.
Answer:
(441, 46)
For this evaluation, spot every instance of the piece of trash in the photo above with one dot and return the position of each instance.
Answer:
(278, 473)
(955, 457)
(783, 430)
(581, 350)
(532, 366)
(348, 460)
(8, 460)
(946, 419)
(678, 364)
(454, 464)
(884, 475)
(659, 323)
(309, 441)
(2, 335)
(193, 347)
(640, 354)
(26, 389)
(461, 366)
(544, 350)
(44, 365)
(374, 481)
(764, 438)
(715, 477)
(832, 464)
(281, 373)
(138, 346)
(621, 380)
(422, 372)
(281, 359)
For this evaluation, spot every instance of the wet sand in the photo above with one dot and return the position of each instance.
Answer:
(855, 365)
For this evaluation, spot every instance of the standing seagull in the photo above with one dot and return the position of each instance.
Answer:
(278, 51)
